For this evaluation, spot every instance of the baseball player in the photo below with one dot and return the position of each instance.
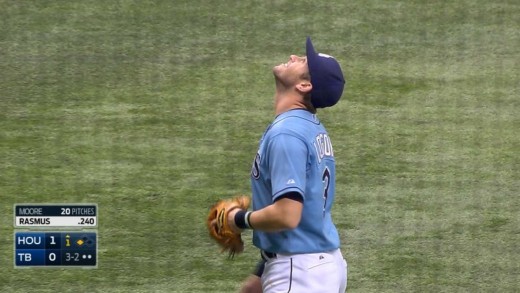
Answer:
(293, 184)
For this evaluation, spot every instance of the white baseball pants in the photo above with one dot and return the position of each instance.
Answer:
(324, 272)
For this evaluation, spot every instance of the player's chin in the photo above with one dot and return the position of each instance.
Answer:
(280, 67)
(278, 70)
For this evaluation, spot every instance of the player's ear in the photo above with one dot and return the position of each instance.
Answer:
(304, 86)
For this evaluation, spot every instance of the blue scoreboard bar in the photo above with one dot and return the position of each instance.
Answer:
(55, 249)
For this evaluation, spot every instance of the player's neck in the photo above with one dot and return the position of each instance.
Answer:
(288, 97)
(286, 102)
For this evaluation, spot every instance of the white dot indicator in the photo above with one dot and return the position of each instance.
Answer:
(89, 256)
(84, 256)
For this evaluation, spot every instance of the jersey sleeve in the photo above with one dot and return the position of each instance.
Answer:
(287, 165)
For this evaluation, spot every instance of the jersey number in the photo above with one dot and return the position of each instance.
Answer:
(326, 184)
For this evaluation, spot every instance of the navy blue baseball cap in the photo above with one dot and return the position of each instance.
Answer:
(326, 78)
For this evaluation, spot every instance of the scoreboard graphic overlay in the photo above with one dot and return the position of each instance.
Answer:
(55, 235)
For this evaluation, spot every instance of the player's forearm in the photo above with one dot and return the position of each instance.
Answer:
(282, 215)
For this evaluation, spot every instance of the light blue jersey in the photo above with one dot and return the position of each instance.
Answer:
(295, 155)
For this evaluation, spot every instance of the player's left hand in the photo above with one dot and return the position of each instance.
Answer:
(231, 221)
(221, 223)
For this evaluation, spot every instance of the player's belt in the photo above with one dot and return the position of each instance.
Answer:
(266, 255)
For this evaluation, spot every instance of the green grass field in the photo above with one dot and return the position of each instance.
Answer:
(153, 110)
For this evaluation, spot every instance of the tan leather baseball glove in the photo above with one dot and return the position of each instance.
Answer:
(218, 225)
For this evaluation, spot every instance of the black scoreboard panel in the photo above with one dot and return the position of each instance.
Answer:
(43, 243)
(55, 249)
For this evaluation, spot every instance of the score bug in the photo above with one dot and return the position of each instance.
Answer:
(56, 249)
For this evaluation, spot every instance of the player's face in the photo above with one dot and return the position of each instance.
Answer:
(291, 72)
